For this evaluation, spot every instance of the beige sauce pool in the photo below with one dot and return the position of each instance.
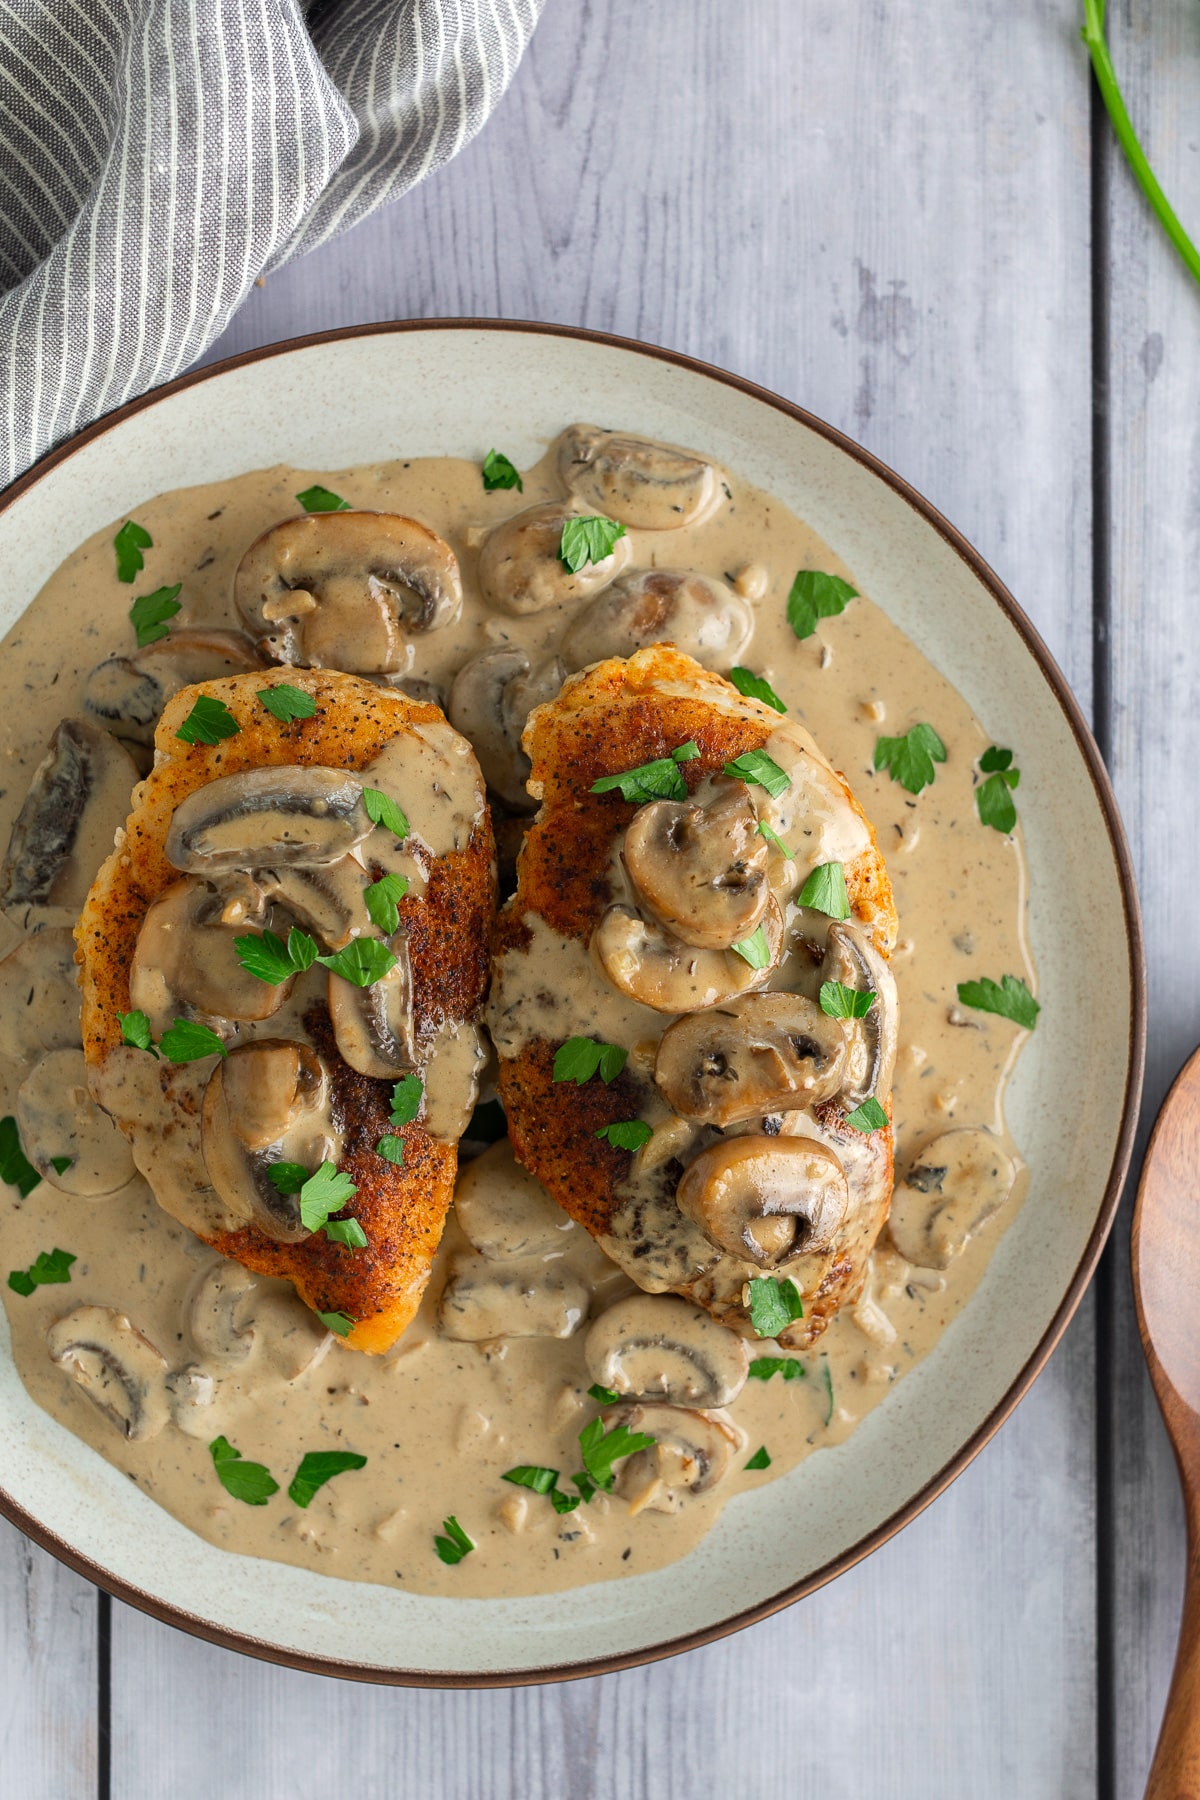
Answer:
(440, 1421)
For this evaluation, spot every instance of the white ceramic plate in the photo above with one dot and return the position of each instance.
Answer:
(447, 389)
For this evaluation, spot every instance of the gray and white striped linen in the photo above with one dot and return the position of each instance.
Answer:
(157, 156)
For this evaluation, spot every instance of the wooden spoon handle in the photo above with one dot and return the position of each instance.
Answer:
(1175, 1774)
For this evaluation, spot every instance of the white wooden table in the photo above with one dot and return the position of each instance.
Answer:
(909, 217)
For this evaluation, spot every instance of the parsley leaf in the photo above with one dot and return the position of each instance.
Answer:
(287, 1177)
(15, 1166)
(382, 902)
(763, 1367)
(756, 767)
(993, 797)
(187, 1040)
(773, 837)
(565, 1503)
(348, 1232)
(135, 1030)
(825, 891)
(455, 1545)
(842, 1002)
(318, 499)
(60, 1164)
(911, 758)
(626, 1134)
(816, 596)
(587, 541)
(774, 1304)
(129, 543)
(248, 1481)
(287, 702)
(755, 949)
(657, 780)
(868, 1117)
(362, 962)
(382, 810)
(532, 1475)
(208, 722)
(1010, 998)
(406, 1099)
(391, 1148)
(149, 614)
(498, 472)
(606, 1396)
(316, 1468)
(582, 1057)
(323, 1194)
(755, 687)
(340, 1323)
(267, 956)
(760, 1460)
(601, 1449)
(47, 1269)
(995, 759)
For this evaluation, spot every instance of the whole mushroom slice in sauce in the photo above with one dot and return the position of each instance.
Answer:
(126, 694)
(267, 1102)
(700, 615)
(504, 1213)
(761, 1054)
(77, 801)
(70, 1142)
(231, 1315)
(294, 813)
(483, 1300)
(214, 1313)
(491, 699)
(692, 1451)
(185, 961)
(39, 995)
(853, 960)
(374, 1025)
(346, 590)
(118, 1368)
(700, 870)
(650, 965)
(654, 486)
(521, 570)
(328, 899)
(956, 1184)
(657, 1347)
(765, 1199)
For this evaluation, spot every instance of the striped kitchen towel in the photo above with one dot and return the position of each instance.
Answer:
(157, 156)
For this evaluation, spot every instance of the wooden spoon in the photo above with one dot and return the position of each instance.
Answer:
(1166, 1284)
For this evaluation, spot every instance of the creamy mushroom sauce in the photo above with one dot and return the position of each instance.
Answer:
(440, 1418)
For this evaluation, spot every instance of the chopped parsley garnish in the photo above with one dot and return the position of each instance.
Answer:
(318, 499)
(135, 1030)
(565, 1503)
(657, 780)
(498, 472)
(348, 1232)
(582, 1057)
(605, 1396)
(287, 1177)
(587, 541)
(825, 891)
(761, 770)
(382, 810)
(267, 956)
(842, 1002)
(324, 1193)
(129, 543)
(15, 1166)
(382, 899)
(60, 1164)
(993, 796)
(601, 1449)
(911, 758)
(208, 722)
(456, 1544)
(773, 837)
(755, 688)
(626, 1134)
(47, 1269)
(187, 1040)
(774, 1304)
(816, 596)
(868, 1117)
(287, 702)
(149, 614)
(248, 1481)
(362, 962)
(406, 1099)
(391, 1148)
(316, 1468)
(755, 949)
(532, 1475)
(340, 1323)
(761, 1459)
(763, 1367)
(1010, 998)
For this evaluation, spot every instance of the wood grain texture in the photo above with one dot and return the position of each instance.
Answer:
(48, 1717)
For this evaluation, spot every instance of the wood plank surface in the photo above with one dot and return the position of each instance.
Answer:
(48, 1642)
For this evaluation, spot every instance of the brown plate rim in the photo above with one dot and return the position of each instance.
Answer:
(1055, 680)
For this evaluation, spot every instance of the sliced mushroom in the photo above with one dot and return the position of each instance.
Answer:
(127, 694)
(657, 487)
(955, 1186)
(118, 1369)
(266, 1102)
(659, 1347)
(59, 1123)
(766, 1200)
(650, 965)
(328, 900)
(191, 1393)
(853, 960)
(231, 1315)
(483, 1300)
(290, 814)
(77, 801)
(504, 1212)
(185, 961)
(521, 571)
(374, 1025)
(39, 995)
(761, 1054)
(700, 870)
(691, 1452)
(343, 590)
(700, 615)
(212, 1314)
(490, 702)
